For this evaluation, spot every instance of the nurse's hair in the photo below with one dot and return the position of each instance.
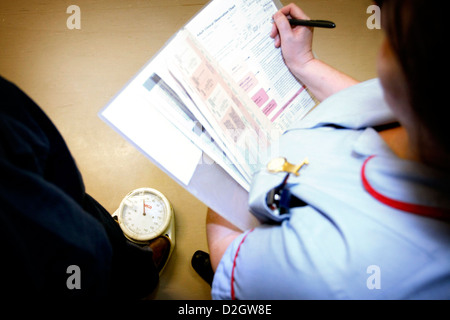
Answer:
(418, 31)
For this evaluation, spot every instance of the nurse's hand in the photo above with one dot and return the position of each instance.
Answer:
(295, 42)
(321, 79)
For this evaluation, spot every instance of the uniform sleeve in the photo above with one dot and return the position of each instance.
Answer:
(281, 261)
(223, 284)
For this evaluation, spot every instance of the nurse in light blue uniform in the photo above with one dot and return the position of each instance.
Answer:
(368, 216)
(359, 200)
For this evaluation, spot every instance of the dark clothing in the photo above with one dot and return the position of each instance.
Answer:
(48, 222)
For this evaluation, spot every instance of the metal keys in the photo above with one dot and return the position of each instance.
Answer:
(280, 199)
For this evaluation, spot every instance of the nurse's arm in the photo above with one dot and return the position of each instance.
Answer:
(323, 80)
(220, 233)
(296, 45)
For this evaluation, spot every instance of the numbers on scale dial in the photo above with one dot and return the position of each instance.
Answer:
(144, 213)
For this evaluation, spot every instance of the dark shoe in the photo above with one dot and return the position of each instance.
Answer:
(202, 265)
(161, 251)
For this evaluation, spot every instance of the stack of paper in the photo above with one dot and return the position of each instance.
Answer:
(222, 85)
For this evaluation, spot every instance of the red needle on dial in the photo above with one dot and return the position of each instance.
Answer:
(144, 207)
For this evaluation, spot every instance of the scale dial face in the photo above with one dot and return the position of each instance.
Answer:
(144, 214)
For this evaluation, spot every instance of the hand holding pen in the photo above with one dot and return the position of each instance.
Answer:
(293, 30)
(295, 42)
(296, 17)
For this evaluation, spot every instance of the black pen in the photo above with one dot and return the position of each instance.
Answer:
(312, 23)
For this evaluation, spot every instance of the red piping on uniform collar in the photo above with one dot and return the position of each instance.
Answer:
(427, 211)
